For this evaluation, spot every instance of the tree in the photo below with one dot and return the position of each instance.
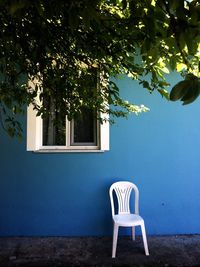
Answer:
(58, 45)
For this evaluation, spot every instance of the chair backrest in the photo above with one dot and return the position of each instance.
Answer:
(123, 192)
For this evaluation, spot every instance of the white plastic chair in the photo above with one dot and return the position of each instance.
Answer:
(124, 217)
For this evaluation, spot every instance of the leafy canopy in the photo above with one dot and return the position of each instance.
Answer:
(60, 46)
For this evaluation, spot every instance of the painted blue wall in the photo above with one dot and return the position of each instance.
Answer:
(67, 194)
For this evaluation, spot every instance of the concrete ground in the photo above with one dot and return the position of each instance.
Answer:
(166, 251)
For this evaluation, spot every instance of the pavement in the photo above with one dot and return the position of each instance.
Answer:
(165, 251)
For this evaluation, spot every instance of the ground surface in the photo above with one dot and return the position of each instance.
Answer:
(166, 251)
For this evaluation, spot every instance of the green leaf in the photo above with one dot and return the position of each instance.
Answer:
(187, 90)
(164, 93)
(192, 93)
(179, 90)
(172, 63)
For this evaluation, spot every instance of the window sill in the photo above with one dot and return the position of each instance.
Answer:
(69, 151)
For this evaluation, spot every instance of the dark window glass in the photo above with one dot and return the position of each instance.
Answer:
(84, 129)
(53, 134)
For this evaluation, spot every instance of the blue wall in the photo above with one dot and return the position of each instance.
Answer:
(67, 194)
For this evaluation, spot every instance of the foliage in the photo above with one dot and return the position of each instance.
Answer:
(187, 90)
(58, 45)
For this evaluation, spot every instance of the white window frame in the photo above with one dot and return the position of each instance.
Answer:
(35, 136)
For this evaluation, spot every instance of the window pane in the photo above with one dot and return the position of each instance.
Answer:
(84, 129)
(53, 134)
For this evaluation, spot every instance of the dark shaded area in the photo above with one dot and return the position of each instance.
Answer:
(85, 128)
(166, 251)
(54, 134)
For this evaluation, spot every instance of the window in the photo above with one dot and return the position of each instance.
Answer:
(85, 134)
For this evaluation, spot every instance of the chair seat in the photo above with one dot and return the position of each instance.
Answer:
(128, 219)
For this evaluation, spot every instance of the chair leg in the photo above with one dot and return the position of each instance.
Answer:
(133, 232)
(115, 235)
(144, 239)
